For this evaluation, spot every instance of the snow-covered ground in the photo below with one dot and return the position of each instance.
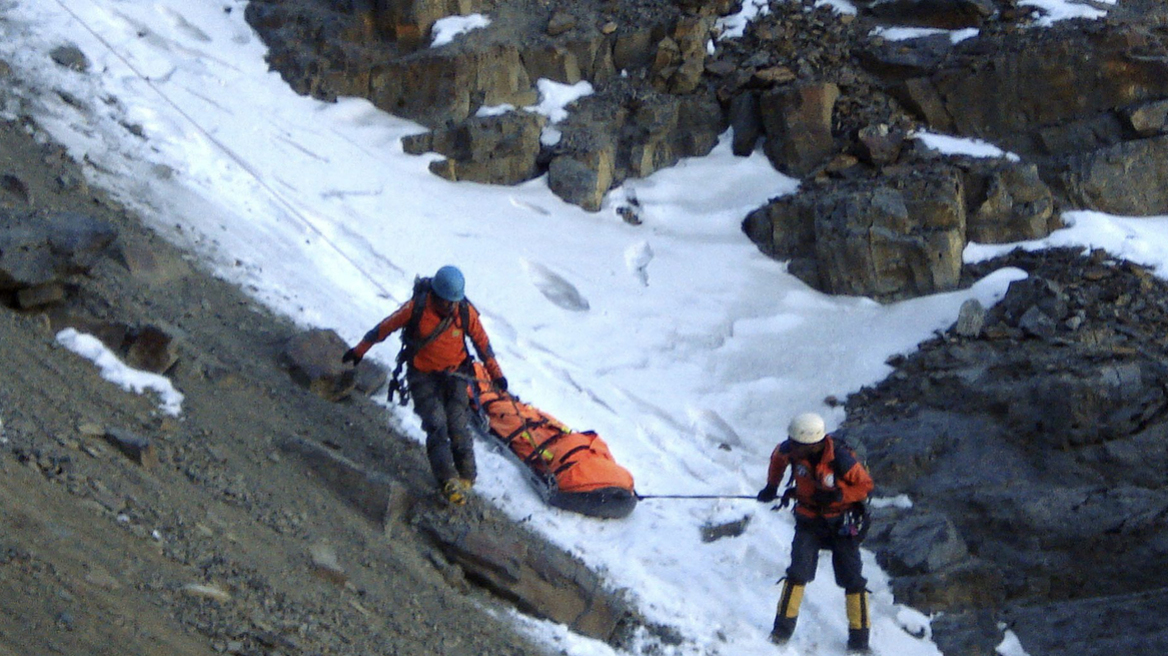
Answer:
(669, 339)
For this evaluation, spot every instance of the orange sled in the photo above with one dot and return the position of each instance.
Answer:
(570, 469)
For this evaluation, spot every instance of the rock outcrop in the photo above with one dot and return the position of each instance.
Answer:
(902, 234)
(830, 100)
(1032, 449)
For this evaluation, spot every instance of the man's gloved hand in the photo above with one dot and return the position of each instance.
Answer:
(500, 383)
(768, 493)
(351, 357)
(788, 497)
(827, 497)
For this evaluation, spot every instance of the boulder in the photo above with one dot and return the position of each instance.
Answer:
(970, 319)
(13, 190)
(71, 57)
(1126, 179)
(433, 87)
(1007, 202)
(542, 580)
(600, 148)
(42, 249)
(149, 348)
(1006, 89)
(901, 239)
(313, 359)
(583, 177)
(500, 149)
(746, 123)
(1148, 119)
(797, 124)
(892, 237)
(879, 144)
(133, 446)
(944, 14)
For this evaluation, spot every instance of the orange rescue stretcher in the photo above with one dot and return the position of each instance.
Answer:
(572, 470)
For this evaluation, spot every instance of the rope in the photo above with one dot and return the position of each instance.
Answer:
(293, 212)
(641, 497)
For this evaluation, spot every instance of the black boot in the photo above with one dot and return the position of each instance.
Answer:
(858, 641)
(784, 628)
(858, 623)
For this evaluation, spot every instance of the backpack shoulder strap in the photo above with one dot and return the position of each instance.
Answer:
(464, 315)
(845, 457)
(421, 295)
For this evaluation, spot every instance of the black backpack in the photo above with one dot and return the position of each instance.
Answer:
(413, 341)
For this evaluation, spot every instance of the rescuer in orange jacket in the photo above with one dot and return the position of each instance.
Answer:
(830, 486)
(435, 324)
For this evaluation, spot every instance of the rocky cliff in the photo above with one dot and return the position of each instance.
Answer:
(1081, 107)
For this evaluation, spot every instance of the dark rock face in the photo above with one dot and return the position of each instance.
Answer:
(1034, 453)
(625, 130)
(1085, 105)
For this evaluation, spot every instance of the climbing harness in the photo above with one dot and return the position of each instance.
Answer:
(412, 343)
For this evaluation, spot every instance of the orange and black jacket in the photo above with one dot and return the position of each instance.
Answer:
(836, 468)
(446, 351)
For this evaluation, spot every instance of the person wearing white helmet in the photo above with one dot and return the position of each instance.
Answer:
(829, 486)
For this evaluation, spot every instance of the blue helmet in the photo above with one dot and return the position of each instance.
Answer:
(449, 284)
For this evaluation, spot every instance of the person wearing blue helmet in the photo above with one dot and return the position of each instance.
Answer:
(435, 324)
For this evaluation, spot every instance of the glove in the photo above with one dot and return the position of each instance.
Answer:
(827, 497)
(768, 493)
(788, 497)
(500, 383)
(351, 357)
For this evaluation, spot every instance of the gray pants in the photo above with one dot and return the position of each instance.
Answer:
(441, 402)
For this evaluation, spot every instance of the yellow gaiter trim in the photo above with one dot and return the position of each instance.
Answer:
(858, 610)
(791, 599)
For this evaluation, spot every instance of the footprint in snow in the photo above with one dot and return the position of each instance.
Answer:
(712, 428)
(181, 24)
(637, 259)
(554, 288)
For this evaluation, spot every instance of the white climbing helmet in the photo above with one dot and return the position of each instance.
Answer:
(807, 428)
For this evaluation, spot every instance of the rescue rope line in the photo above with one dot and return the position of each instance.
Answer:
(642, 497)
(280, 200)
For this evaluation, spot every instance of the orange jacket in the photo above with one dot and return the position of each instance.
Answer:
(855, 483)
(446, 351)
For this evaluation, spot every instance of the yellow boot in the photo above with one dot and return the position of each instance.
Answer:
(788, 611)
(859, 622)
(455, 491)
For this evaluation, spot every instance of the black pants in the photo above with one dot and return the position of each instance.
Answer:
(441, 402)
(813, 534)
